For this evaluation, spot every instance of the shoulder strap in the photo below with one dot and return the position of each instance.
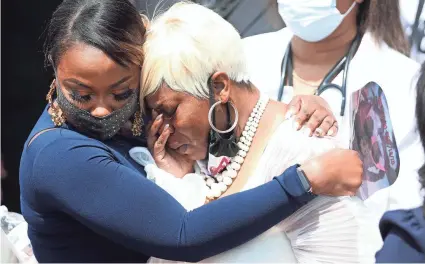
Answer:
(106, 147)
(40, 133)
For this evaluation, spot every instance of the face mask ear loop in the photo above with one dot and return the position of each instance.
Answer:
(349, 9)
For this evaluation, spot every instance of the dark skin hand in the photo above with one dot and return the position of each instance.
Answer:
(314, 113)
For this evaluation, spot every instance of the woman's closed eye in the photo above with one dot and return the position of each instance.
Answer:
(124, 95)
(168, 113)
(76, 96)
(80, 98)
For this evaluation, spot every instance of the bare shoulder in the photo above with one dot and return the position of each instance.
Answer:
(275, 114)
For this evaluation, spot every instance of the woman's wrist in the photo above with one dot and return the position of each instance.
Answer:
(304, 179)
(291, 183)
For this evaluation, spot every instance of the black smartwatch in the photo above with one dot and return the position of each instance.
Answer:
(304, 180)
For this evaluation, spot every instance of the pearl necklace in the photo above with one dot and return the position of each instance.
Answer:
(221, 182)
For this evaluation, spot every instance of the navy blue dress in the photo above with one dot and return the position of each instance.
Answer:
(403, 232)
(86, 201)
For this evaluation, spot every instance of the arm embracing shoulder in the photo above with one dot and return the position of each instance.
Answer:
(85, 181)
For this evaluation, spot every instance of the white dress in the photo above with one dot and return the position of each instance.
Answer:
(328, 229)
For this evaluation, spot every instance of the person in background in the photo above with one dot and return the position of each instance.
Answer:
(86, 200)
(403, 231)
(335, 48)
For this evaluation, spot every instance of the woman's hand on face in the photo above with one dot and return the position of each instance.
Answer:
(335, 173)
(314, 113)
(165, 158)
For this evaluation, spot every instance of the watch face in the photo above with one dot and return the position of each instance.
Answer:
(304, 180)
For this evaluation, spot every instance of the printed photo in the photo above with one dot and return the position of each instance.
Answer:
(373, 138)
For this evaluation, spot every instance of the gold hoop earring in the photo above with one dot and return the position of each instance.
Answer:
(136, 127)
(55, 112)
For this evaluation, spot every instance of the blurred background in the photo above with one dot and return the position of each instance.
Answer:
(25, 80)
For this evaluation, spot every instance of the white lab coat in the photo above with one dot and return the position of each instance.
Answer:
(394, 72)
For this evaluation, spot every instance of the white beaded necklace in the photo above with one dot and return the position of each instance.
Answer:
(222, 181)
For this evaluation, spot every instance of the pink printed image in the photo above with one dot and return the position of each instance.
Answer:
(373, 138)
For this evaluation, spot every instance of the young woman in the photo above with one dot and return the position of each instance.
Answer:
(86, 200)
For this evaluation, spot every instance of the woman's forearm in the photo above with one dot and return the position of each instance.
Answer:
(123, 206)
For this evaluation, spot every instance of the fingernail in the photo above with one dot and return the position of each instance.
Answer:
(166, 126)
(318, 132)
(158, 117)
(288, 114)
(307, 131)
(297, 125)
(330, 132)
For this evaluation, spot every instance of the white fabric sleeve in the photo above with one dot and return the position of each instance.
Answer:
(190, 191)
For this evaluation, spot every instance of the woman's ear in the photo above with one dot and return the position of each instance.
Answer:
(221, 86)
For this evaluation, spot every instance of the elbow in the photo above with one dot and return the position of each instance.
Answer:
(193, 248)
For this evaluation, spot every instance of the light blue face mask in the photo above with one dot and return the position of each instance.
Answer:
(311, 20)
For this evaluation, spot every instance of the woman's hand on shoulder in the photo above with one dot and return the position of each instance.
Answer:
(165, 158)
(314, 113)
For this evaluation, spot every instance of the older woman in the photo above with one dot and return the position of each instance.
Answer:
(195, 84)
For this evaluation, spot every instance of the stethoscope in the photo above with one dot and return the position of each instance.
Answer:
(418, 34)
(342, 64)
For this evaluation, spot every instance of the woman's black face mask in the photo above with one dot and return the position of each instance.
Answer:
(97, 127)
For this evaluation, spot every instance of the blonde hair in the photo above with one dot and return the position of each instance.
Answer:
(185, 45)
